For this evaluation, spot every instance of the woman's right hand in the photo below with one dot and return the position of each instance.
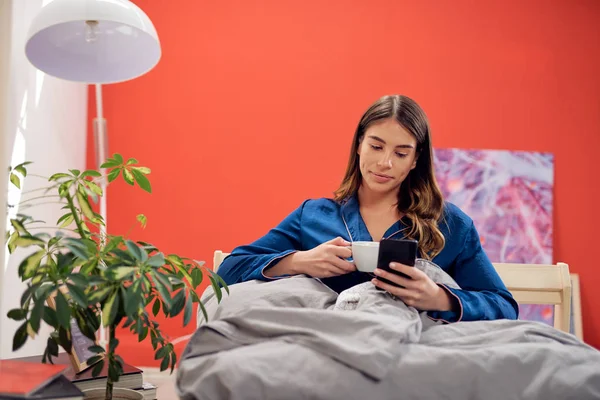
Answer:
(324, 261)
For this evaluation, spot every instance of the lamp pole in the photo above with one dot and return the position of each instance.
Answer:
(101, 145)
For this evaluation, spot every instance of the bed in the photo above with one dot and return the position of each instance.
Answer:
(528, 283)
(293, 338)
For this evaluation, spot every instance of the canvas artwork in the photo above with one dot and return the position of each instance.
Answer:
(509, 195)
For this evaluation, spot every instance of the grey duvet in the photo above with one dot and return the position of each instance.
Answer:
(297, 339)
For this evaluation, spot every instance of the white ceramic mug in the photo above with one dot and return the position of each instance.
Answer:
(365, 255)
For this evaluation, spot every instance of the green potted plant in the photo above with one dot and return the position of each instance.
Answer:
(98, 280)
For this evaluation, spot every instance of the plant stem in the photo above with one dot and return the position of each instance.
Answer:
(75, 216)
(52, 227)
(110, 359)
(26, 206)
(38, 197)
(38, 189)
(38, 176)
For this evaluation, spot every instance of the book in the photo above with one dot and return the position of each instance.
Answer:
(20, 378)
(60, 388)
(148, 390)
(132, 377)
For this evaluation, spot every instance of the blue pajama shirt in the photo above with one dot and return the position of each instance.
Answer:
(483, 295)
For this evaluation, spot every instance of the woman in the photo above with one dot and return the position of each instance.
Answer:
(389, 191)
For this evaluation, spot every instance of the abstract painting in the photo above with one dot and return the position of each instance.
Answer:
(508, 194)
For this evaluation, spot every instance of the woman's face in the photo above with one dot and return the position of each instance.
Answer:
(387, 153)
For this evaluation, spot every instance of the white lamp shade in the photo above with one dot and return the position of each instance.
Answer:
(120, 42)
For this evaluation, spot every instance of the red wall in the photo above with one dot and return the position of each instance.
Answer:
(253, 106)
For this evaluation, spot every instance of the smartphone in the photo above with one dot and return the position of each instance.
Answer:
(403, 251)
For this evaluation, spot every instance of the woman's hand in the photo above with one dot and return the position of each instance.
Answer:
(419, 291)
(324, 261)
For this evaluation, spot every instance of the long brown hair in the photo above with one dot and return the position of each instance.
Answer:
(419, 196)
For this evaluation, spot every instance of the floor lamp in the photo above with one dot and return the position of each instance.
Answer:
(95, 42)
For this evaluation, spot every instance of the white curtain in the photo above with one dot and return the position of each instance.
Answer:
(43, 120)
(5, 30)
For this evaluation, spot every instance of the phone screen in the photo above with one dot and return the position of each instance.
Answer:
(403, 251)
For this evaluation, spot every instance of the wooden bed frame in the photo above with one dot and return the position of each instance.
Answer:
(528, 283)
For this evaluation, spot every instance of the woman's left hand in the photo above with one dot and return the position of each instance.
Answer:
(419, 291)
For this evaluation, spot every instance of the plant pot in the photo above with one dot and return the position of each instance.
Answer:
(118, 394)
